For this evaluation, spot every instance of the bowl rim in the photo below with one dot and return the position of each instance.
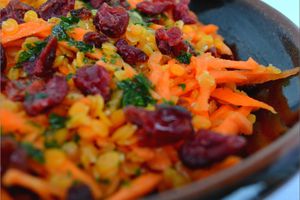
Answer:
(260, 159)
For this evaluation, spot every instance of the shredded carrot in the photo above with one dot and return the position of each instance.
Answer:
(14, 122)
(4, 195)
(209, 29)
(25, 30)
(160, 161)
(144, 153)
(15, 177)
(78, 33)
(238, 99)
(138, 187)
(14, 43)
(227, 76)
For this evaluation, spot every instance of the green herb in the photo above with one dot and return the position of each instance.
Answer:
(136, 91)
(31, 52)
(136, 18)
(103, 181)
(57, 122)
(51, 144)
(76, 138)
(168, 102)
(137, 172)
(87, 4)
(33, 152)
(85, 60)
(69, 76)
(40, 95)
(125, 183)
(68, 23)
(182, 85)
(185, 58)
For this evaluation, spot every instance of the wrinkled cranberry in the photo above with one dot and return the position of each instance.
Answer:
(79, 192)
(3, 81)
(95, 39)
(154, 8)
(166, 125)
(207, 148)
(111, 21)
(12, 155)
(130, 54)
(93, 80)
(113, 3)
(15, 9)
(55, 8)
(182, 12)
(170, 42)
(215, 53)
(81, 13)
(3, 58)
(17, 89)
(42, 66)
(51, 95)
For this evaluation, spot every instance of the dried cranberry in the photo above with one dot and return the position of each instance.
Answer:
(3, 81)
(55, 8)
(79, 192)
(111, 21)
(42, 66)
(166, 125)
(12, 155)
(207, 148)
(130, 54)
(17, 89)
(15, 9)
(170, 42)
(52, 94)
(154, 8)
(95, 39)
(93, 80)
(81, 13)
(3, 58)
(182, 12)
(113, 3)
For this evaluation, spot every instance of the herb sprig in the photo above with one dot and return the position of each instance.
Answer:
(136, 91)
(66, 24)
(32, 51)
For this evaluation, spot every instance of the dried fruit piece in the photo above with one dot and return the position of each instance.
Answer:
(207, 148)
(154, 7)
(15, 9)
(93, 80)
(79, 192)
(182, 12)
(111, 21)
(55, 8)
(166, 125)
(3, 58)
(95, 39)
(130, 54)
(170, 42)
(52, 94)
(81, 13)
(42, 65)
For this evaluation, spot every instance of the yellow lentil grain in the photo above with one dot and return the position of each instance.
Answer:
(88, 155)
(117, 118)
(10, 26)
(201, 122)
(108, 164)
(124, 133)
(30, 16)
(13, 73)
(54, 158)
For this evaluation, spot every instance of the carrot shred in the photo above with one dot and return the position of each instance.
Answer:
(25, 30)
(14, 122)
(15, 177)
(138, 187)
(78, 33)
(238, 99)
(227, 76)
(210, 29)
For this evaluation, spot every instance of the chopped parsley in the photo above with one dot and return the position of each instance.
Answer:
(33, 152)
(168, 102)
(40, 95)
(136, 18)
(66, 24)
(32, 51)
(182, 85)
(69, 76)
(185, 58)
(56, 121)
(136, 91)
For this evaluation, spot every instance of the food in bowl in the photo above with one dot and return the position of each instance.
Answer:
(115, 99)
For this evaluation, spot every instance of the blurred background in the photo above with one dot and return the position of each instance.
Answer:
(291, 189)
